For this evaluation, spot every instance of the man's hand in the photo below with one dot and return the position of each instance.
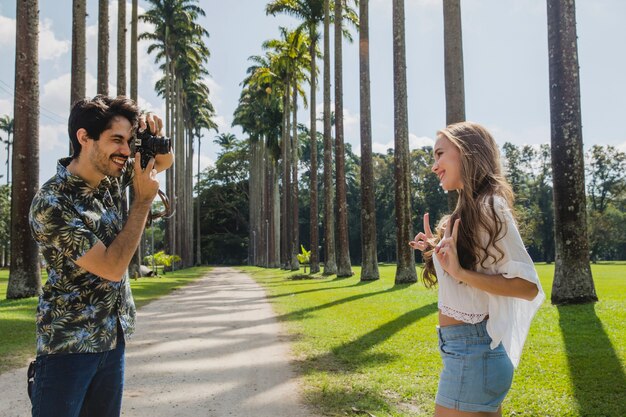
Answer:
(152, 122)
(145, 183)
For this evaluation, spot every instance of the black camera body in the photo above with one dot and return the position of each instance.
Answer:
(149, 146)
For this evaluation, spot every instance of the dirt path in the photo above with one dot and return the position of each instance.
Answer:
(212, 348)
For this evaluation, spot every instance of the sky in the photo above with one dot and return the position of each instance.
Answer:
(505, 62)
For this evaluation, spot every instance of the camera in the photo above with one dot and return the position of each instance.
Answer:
(149, 146)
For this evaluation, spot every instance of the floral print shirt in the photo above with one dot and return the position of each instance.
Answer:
(78, 311)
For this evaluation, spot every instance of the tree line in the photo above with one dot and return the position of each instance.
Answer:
(287, 162)
(224, 198)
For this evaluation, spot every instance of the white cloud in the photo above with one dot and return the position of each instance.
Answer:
(7, 31)
(53, 137)
(55, 99)
(415, 142)
(379, 147)
(49, 46)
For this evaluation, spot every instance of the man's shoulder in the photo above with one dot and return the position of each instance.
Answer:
(52, 193)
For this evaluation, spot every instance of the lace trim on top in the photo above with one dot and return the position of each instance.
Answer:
(471, 318)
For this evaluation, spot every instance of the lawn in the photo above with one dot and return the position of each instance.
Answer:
(17, 317)
(372, 347)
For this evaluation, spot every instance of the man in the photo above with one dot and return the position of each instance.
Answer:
(86, 309)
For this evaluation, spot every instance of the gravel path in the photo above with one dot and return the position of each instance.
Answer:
(212, 348)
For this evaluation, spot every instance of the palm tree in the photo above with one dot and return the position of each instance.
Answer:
(178, 40)
(25, 274)
(369, 268)
(289, 61)
(103, 47)
(79, 14)
(260, 115)
(226, 141)
(405, 271)
(7, 125)
(453, 57)
(133, 51)
(311, 14)
(573, 282)
(343, 259)
(330, 258)
(121, 47)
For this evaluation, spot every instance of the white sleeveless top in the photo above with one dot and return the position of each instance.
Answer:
(509, 317)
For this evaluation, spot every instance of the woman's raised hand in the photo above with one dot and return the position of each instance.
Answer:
(446, 251)
(421, 239)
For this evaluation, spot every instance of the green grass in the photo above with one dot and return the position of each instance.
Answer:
(373, 347)
(17, 317)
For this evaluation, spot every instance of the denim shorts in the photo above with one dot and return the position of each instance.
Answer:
(474, 377)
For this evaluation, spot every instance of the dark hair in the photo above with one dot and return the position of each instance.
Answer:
(96, 115)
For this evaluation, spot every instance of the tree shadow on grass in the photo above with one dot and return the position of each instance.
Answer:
(300, 314)
(596, 371)
(356, 353)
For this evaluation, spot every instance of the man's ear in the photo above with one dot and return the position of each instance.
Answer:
(82, 136)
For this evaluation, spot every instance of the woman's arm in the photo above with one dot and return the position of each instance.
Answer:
(498, 284)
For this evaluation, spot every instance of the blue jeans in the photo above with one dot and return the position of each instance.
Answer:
(474, 377)
(80, 384)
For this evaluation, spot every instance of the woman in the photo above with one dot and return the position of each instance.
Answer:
(488, 287)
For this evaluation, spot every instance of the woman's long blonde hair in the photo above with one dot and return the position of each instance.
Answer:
(482, 178)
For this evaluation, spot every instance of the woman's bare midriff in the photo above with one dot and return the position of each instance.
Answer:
(449, 321)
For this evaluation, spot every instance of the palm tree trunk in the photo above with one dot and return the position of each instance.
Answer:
(25, 274)
(314, 259)
(344, 268)
(330, 258)
(369, 267)
(453, 57)
(198, 237)
(573, 282)
(135, 262)
(133, 52)
(79, 14)
(253, 186)
(405, 271)
(285, 241)
(180, 170)
(77, 89)
(103, 47)
(121, 47)
(275, 220)
(293, 205)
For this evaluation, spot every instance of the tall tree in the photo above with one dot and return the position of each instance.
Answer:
(405, 271)
(25, 274)
(103, 47)
(330, 258)
(344, 268)
(369, 262)
(311, 13)
(133, 51)
(77, 89)
(573, 282)
(179, 41)
(453, 58)
(121, 47)
(135, 262)
(79, 14)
